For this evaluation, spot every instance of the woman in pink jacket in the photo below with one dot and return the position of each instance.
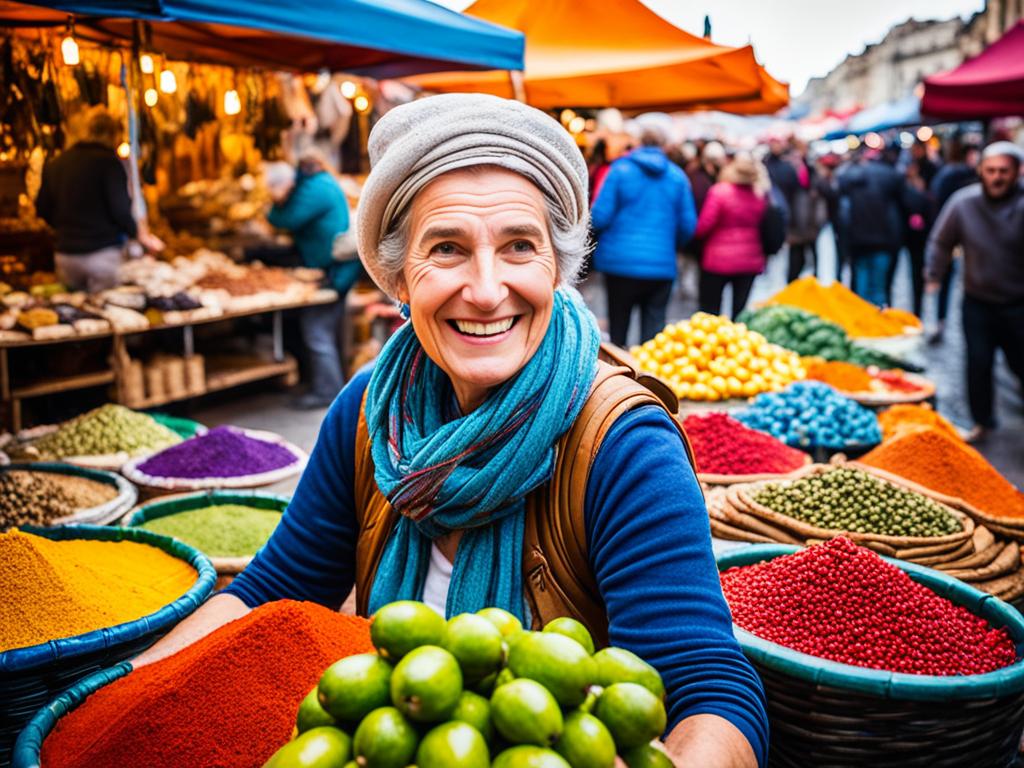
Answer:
(729, 226)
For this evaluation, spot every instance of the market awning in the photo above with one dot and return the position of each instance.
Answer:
(892, 114)
(379, 38)
(989, 85)
(594, 53)
(774, 96)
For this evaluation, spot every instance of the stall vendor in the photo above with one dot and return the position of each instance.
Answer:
(84, 197)
(489, 457)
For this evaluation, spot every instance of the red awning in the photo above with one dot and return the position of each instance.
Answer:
(989, 85)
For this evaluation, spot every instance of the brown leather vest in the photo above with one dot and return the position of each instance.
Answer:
(557, 579)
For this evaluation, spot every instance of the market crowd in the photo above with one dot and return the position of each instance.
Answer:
(934, 203)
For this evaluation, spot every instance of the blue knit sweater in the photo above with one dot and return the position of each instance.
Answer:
(648, 540)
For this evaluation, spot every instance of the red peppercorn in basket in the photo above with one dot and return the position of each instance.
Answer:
(843, 602)
(724, 446)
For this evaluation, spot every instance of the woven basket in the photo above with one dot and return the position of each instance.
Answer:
(102, 514)
(885, 399)
(32, 676)
(823, 713)
(708, 478)
(227, 567)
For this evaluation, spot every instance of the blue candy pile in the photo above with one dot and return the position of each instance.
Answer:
(810, 414)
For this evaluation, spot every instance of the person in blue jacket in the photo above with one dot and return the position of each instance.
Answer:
(644, 214)
(311, 205)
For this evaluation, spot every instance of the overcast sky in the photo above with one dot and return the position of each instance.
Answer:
(797, 39)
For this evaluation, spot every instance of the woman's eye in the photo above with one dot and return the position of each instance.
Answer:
(523, 246)
(445, 249)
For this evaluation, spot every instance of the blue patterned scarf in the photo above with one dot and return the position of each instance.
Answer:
(443, 471)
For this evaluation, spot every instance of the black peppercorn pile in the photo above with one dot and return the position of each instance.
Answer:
(853, 501)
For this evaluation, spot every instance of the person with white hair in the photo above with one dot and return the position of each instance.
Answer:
(643, 216)
(986, 219)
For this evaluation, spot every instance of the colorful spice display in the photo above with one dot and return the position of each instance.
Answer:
(229, 700)
(39, 498)
(224, 530)
(850, 500)
(846, 309)
(844, 376)
(811, 336)
(723, 446)
(809, 414)
(900, 417)
(867, 613)
(54, 589)
(710, 358)
(933, 458)
(104, 430)
(221, 452)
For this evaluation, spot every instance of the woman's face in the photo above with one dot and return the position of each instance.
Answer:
(479, 277)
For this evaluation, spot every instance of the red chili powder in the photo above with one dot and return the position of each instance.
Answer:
(724, 446)
(228, 701)
(843, 602)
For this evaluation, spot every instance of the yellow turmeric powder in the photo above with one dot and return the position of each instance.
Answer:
(840, 305)
(54, 589)
(901, 418)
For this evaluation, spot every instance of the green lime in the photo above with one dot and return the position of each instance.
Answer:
(323, 747)
(476, 643)
(646, 756)
(475, 710)
(557, 662)
(385, 739)
(586, 743)
(311, 714)
(426, 684)
(453, 745)
(502, 619)
(355, 685)
(632, 713)
(525, 712)
(571, 628)
(399, 627)
(617, 665)
(528, 756)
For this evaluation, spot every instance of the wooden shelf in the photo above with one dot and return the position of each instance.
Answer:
(63, 384)
(225, 372)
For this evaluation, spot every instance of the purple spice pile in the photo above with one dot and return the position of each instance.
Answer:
(221, 452)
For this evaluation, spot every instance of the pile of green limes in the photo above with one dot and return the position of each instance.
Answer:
(451, 694)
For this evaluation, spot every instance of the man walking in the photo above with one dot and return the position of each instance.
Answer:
(987, 221)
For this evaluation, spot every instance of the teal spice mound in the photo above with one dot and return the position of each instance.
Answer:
(224, 530)
(221, 452)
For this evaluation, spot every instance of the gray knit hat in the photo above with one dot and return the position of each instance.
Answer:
(415, 143)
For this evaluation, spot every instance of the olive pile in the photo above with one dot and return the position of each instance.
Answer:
(26, 498)
(849, 500)
(105, 430)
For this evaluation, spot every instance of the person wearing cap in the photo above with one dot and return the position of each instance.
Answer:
(987, 221)
(488, 436)
(644, 215)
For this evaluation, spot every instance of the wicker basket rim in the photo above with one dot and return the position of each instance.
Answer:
(30, 657)
(101, 513)
(881, 683)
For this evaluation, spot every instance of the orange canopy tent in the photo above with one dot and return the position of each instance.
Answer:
(773, 97)
(608, 53)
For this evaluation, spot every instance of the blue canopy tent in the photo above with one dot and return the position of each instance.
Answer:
(892, 114)
(377, 38)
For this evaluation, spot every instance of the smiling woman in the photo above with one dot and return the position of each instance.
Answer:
(489, 458)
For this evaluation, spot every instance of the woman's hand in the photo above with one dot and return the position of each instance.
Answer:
(709, 741)
(213, 614)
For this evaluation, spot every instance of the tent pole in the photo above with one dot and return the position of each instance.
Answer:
(131, 82)
(515, 77)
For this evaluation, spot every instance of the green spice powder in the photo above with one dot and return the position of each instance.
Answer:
(225, 530)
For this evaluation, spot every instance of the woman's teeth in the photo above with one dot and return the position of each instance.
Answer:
(484, 329)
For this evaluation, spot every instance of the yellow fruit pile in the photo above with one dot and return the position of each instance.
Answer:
(711, 358)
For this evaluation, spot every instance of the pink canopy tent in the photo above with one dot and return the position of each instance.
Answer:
(989, 85)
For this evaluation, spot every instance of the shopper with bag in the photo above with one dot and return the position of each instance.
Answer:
(311, 205)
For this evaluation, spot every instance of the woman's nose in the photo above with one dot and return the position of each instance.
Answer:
(485, 288)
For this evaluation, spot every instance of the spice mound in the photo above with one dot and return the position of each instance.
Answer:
(900, 417)
(39, 498)
(56, 589)
(853, 501)
(723, 446)
(842, 306)
(102, 431)
(842, 602)
(844, 376)
(229, 700)
(947, 465)
(221, 452)
(224, 530)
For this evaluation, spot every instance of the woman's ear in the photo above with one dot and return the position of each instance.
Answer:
(401, 290)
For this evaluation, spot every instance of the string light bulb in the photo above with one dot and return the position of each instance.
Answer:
(362, 104)
(146, 64)
(232, 102)
(348, 89)
(151, 97)
(68, 46)
(168, 82)
(124, 150)
(577, 124)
